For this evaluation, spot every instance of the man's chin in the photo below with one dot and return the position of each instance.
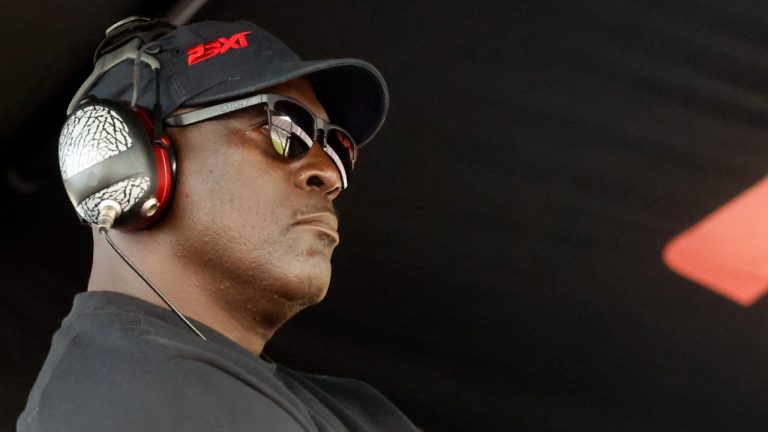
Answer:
(311, 289)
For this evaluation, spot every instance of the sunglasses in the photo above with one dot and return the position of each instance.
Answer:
(292, 127)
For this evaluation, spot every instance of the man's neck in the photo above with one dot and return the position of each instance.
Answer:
(197, 294)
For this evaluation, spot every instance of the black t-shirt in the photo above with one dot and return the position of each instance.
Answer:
(119, 363)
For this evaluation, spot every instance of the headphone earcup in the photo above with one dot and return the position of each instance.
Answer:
(106, 152)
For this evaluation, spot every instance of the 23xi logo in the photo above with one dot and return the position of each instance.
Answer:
(207, 50)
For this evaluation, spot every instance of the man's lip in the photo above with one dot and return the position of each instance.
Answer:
(325, 222)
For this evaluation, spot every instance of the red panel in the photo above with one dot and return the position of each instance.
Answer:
(164, 177)
(727, 251)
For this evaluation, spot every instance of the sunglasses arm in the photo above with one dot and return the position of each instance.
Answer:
(212, 111)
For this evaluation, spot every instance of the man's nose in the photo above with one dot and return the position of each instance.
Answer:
(316, 170)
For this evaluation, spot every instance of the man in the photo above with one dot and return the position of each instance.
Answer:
(244, 245)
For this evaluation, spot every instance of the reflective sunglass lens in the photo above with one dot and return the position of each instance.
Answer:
(300, 115)
(343, 145)
(293, 131)
(288, 139)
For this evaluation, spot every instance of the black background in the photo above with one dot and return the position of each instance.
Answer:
(500, 266)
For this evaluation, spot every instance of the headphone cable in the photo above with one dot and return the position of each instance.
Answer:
(104, 224)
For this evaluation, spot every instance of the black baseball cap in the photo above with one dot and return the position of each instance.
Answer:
(213, 61)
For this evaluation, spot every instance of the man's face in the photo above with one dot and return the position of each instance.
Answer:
(247, 215)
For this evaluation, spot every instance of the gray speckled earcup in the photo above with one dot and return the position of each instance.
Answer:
(105, 153)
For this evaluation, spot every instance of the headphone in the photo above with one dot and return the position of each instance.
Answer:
(115, 155)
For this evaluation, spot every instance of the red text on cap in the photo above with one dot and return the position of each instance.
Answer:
(207, 50)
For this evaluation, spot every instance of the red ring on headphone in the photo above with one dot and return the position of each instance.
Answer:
(164, 163)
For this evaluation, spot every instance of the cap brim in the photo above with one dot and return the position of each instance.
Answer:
(352, 91)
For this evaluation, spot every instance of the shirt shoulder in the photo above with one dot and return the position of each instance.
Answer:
(128, 371)
(356, 403)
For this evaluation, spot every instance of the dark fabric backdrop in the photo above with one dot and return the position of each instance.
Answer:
(500, 266)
